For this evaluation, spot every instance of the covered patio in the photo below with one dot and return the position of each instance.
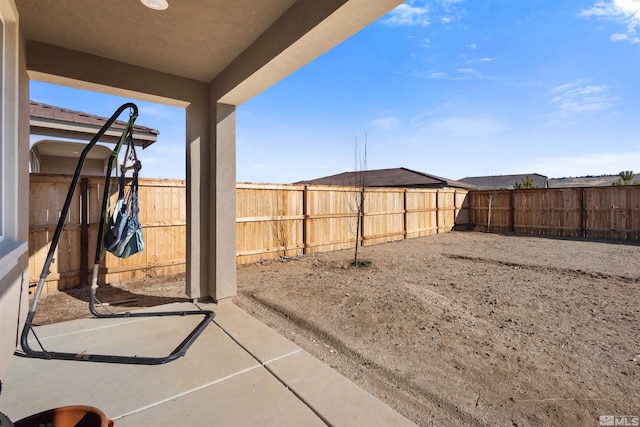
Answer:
(237, 373)
(208, 58)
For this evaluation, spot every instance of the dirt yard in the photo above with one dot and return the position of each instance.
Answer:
(461, 328)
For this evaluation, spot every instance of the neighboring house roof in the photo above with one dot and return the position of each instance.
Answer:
(61, 122)
(60, 156)
(505, 182)
(587, 181)
(397, 177)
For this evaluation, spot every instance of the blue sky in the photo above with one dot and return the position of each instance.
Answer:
(454, 88)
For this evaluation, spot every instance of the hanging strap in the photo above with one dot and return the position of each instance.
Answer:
(130, 155)
(123, 236)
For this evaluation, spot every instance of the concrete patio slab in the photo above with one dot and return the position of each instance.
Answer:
(116, 388)
(338, 400)
(238, 372)
(253, 398)
(253, 336)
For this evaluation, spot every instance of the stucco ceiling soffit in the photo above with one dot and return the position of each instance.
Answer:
(240, 47)
(193, 39)
(58, 65)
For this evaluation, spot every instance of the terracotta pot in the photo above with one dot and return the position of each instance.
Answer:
(67, 416)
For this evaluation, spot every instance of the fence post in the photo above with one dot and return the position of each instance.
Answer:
(437, 211)
(362, 214)
(305, 218)
(583, 216)
(404, 209)
(512, 215)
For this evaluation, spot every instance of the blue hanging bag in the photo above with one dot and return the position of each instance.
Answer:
(123, 236)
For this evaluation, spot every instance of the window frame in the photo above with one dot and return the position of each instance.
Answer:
(11, 247)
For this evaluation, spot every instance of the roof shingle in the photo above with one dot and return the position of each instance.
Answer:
(50, 112)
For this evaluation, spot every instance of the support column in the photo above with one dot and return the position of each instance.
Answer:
(222, 205)
(197, 177)
(211, 200)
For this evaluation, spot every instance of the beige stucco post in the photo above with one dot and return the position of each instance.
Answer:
(211, 200)
(222, 224)
(197, 177)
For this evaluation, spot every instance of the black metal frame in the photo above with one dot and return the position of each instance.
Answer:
(27, 351)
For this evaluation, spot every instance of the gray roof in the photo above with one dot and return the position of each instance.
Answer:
(397, 177)
(56, 121)
(505, 182)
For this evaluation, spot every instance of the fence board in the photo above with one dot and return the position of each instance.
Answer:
(461, 216)
(163, 225)
(491, 210)
(331, 218)
(592, 212)
(384, 219)
(421, 212)
(269, 221)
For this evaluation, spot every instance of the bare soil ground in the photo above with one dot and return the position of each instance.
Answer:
(461, 328)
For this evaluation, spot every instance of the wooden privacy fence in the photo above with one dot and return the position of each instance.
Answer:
(162, 215)
(272, 221)
(289, 220)
(592, 212)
